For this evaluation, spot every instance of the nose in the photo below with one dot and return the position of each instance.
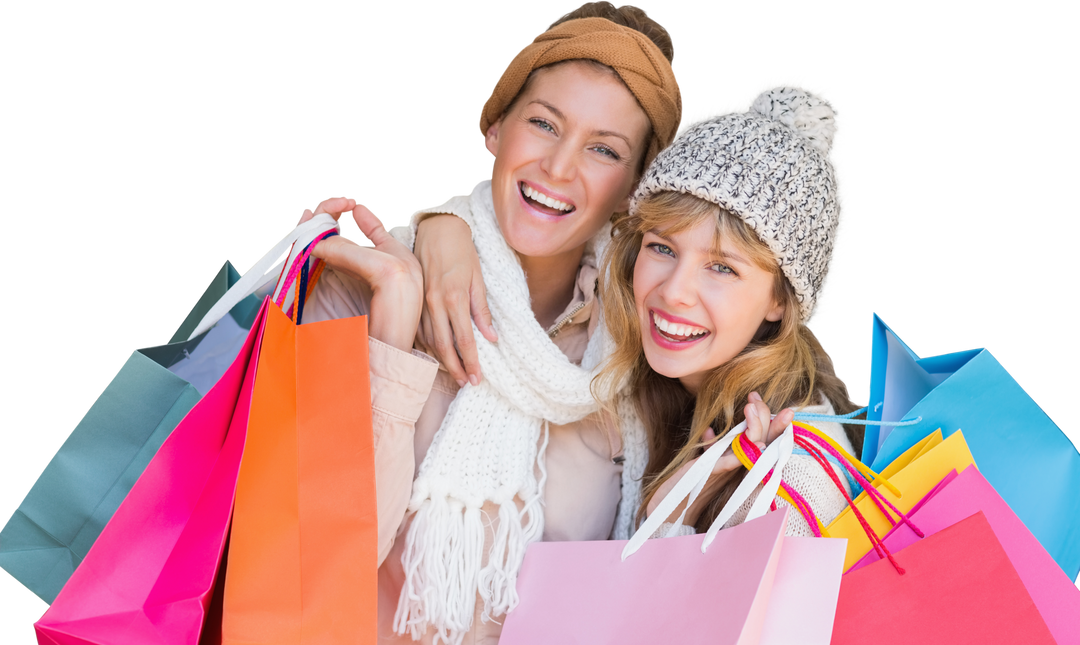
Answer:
(679, 289)
(560, 162)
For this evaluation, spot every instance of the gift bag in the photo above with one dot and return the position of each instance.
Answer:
(963, 495)
(973, 392)
(903, 488)
(148, 576)
(81, 488)
(715, 588)
(303, 550)
(957, 586)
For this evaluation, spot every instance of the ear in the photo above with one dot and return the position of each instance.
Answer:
(491, 139)
(776, 313)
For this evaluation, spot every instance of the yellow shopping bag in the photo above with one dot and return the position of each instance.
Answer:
(913, 474)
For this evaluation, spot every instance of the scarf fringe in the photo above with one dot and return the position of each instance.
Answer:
(441, 564)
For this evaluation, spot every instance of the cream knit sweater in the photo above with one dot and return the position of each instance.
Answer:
(805, 475)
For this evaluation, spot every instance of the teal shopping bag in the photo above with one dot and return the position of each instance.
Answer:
(91, 474)
(1020, 451)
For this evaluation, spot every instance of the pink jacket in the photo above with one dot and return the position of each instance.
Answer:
(583, 485)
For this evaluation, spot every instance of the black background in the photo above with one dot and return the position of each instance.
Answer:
(143, 160)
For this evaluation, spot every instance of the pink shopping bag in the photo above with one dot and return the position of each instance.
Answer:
(149, 576)
(711, 588)
(581, 592)
(1055, 596)
(802, 604)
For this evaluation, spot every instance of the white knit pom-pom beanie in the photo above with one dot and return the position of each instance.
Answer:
(770, 167)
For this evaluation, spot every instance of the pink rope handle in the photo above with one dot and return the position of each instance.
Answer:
(878, 544)
(871, 491)
(753, 454)
(295, 269)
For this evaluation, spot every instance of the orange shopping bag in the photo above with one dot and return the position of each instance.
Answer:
(302, 555)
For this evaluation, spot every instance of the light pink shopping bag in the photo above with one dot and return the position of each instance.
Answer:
(802, 604)
(1053, 593)
(149, 576)
(582, 592)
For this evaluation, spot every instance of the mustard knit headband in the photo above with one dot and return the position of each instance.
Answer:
(636, 59)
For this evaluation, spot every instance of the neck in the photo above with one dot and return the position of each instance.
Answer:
(551, 283)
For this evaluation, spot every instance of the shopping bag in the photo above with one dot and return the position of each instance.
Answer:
(148, 576)
(303, 550)
(1056, 597)
(650, 591)
(580, 592)
(973, 392)
(958, 586)
(911, 483)
(81, 488)
(802, 604)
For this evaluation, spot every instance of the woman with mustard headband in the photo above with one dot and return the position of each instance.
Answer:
(526, 454)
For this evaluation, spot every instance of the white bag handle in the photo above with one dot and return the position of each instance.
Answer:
(265, 269)
(775, 456)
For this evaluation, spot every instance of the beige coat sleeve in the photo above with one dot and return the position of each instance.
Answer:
(400, 385)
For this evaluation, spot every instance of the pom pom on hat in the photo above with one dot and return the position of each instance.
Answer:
(769, 167)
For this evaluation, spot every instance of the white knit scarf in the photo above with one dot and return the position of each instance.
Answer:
(486, 449)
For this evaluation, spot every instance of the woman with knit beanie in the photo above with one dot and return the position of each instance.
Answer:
(707, 287)
(526, 454)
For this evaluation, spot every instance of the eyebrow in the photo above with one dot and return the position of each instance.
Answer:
(717, 251)
(601, 133)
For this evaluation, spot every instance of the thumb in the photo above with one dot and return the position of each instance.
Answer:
(370, 226)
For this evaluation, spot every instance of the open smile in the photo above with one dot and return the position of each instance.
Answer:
(544, 203)
(672, 333)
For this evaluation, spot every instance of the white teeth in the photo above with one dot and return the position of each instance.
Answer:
(544, 199)
(675, 329)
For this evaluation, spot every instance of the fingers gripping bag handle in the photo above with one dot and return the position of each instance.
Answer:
(267, 268)
(774, 457)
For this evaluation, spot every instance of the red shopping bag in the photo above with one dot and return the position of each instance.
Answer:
(963, 495)
(148, 577)
(958, 586)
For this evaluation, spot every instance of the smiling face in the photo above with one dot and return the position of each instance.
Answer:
(566, 155)
(699, 303)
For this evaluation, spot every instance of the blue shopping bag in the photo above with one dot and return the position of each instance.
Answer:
(67, 508)
(971, 391)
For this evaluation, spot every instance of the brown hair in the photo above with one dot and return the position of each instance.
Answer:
(627, 16)
(784, 362)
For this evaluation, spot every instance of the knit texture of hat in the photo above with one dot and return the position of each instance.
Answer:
(636, 59)
(770, 167)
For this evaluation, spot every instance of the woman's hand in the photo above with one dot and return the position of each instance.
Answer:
(761, 428)
(454, 296)
(390, 270)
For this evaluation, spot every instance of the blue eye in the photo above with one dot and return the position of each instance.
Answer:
(662, 249)
(723, 268)
(604, 150)
(542, 124)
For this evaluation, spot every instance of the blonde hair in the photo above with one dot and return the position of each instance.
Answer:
(784, 362)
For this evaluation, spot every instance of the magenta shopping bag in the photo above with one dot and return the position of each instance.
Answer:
(148, 577)
(1053, 593)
